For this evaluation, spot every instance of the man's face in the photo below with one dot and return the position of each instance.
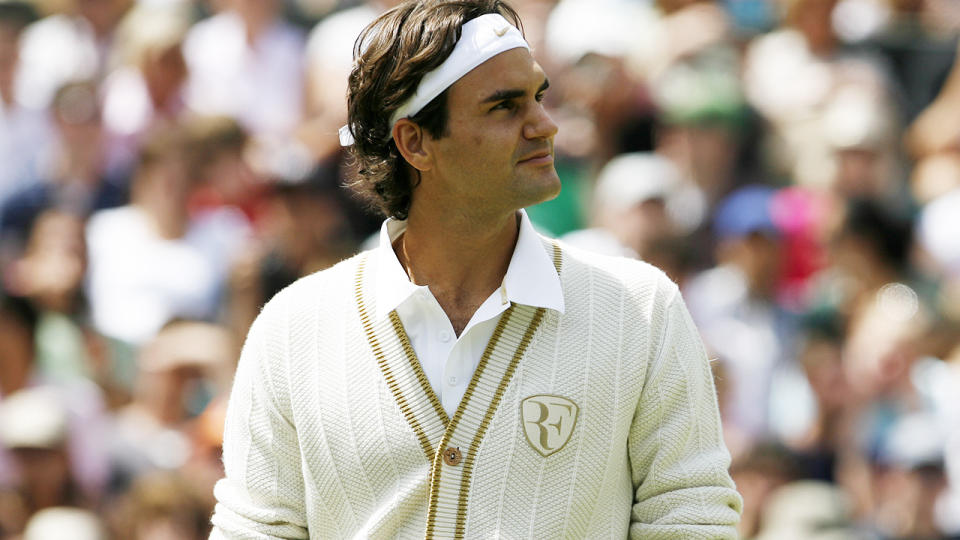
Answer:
(498, 153)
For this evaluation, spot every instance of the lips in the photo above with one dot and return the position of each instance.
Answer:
(540, 156)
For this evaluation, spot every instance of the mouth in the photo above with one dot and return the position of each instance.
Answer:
(542, 157)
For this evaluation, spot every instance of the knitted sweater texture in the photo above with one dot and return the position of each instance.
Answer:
(600, 422)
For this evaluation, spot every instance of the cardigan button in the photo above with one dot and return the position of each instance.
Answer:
(452, 456)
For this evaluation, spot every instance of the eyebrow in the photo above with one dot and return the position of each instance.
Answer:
(501, 95)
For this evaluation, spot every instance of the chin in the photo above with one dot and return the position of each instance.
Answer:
(546, 189)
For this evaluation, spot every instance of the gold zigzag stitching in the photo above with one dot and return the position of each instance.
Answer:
(471, 453)
(392, 383)
(488, 416)
(452, 426)
(385, 367)
(417, 368)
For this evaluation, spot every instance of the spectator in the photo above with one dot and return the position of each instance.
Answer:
(228, 196)
(74, 408)
(735, 307)
(65, 47)
(25, 134)
(808, 510)
(81, 180)
(180, 371)
(329, 56)
(163, 506)
(50, 273)
(306, 230)
(143, 272)
(33, 428)
(146, 89)
(632, 211)
(247, 62)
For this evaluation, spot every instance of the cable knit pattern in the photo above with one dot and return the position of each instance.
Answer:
(317, 446)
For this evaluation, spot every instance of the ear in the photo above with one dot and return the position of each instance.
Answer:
(410, 139)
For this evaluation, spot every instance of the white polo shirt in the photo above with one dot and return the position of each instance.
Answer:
(449, 361)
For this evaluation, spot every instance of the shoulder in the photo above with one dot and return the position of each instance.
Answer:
(127, 219)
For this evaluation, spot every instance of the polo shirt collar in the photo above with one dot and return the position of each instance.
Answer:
(531, 277)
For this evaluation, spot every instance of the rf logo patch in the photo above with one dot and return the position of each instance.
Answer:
(548, 422)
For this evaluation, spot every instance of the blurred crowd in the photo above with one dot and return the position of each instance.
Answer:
(166, 166)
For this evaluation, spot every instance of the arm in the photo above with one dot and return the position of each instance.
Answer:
(678, 460)
(262, 496)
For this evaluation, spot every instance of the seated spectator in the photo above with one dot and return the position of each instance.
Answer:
(305, 230)
(143, 272)
(50, 274)
(25, 134)
(632, 213)
(163, 506)
(78, 401)
(759, 472)
(808, 510)
(735, 307)
(869, 248)
(81, 181)
(823, 439)
(147, 87)
(329, 57)
(228, 196)
(247, 62)
(33, 429)
(70, 45)
(909, 479)
(181, 370)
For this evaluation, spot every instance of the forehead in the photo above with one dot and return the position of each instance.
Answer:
(510, 70)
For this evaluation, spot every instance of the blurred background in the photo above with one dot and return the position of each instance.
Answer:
(167, 166)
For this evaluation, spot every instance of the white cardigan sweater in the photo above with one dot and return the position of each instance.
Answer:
(601, 422)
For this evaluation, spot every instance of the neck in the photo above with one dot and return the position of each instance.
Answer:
(6, 93)
(166, 213)
(461, 258)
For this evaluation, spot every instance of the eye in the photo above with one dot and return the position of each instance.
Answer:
(507, 105)
(539, 97)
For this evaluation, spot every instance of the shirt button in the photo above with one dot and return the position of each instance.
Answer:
(452, 456)
(444, 336)
(451, 381)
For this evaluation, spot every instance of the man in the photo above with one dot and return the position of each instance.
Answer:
(469, 378)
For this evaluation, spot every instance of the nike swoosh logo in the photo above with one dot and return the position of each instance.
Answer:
(501, 31)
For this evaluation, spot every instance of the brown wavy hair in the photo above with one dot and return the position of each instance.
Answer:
(391, 56)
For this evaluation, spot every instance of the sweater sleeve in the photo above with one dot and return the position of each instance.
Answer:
(262, 495)
(679, 464)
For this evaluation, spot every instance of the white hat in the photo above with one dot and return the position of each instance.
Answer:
(63, 522)
(938, 226)
(613, 28)
(807, 510)
(33, 418)
(630, 179)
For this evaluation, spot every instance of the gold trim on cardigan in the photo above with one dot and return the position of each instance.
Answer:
(417, 367)
(402, 371)
(450, 479)
(466, 430)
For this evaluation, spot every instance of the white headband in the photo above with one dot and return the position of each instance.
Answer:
(480, 40)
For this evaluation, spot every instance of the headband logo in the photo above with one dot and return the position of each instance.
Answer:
(501, 31)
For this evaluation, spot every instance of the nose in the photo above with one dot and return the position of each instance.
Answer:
(540, 124)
